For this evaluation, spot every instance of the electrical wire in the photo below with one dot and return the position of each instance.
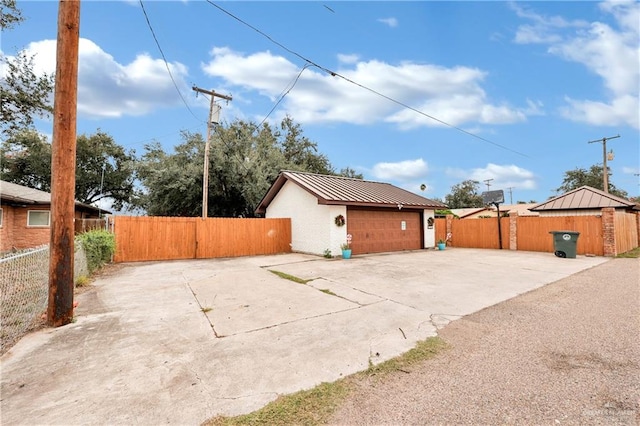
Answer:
(166, 63)
(284, 93)
(362, 86)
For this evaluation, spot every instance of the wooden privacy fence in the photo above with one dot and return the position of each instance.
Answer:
(167, 238)
(533, 233)
(605, 235)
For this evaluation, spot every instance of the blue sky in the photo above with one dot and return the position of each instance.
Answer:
(523, 86)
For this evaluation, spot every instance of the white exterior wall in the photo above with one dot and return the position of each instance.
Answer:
(312, 225)
(338, 234)
(429, 234)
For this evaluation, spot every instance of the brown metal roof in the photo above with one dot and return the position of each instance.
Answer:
(339, 190)
(18, 194)
(584, 197)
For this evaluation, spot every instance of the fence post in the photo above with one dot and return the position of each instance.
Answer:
(609, 231)
(513, 231)
(449, 236)
(638, 228)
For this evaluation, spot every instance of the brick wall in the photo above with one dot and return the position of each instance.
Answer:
(16, 233)
(609, 231)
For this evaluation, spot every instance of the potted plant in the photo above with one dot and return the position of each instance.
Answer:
(346, 248)
(441, 244)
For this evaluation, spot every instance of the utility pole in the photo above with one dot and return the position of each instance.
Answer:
(511, 194)
(487, 182)
(63, 166)
(210, 123)
(605, 172)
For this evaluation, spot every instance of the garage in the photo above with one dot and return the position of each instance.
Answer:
(325, 209)
(377, 231)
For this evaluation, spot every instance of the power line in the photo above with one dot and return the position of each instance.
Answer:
(166, 63)
(335, 74)
(284, 93)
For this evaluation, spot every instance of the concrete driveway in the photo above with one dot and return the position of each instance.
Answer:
(179, 342)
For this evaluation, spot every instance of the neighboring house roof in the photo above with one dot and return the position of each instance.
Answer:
(462, 213)
(584, 197)
(339, 190)
(521, 209)
(18, 194)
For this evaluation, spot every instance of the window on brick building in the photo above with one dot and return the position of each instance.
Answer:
(38, 218)
(0, 218)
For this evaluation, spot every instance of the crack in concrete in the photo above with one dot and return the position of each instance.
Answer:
(432, 320)
(251, 395)
(291, 322)
(202, 308)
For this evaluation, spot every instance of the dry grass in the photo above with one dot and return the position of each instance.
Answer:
(633, 254)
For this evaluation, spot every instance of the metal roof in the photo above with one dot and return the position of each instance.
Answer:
(584, 197)
(339, 190)
(18, 194)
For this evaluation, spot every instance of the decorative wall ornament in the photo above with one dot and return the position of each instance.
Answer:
(339, 220)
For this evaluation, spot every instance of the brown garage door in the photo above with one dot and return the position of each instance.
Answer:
(375, 231)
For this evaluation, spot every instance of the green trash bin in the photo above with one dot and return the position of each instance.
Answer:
(564, 243)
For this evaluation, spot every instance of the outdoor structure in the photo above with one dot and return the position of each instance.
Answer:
(25, 216)
(323, 209)
(584, 201)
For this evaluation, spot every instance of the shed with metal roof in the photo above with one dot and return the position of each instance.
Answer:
(583, 201)
(324, 209)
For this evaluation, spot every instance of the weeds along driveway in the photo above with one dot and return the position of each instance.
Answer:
(180, 342)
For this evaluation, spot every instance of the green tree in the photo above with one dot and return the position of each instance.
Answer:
(9, 14)
(172, 182)
(464, 195)
(594, 177)
(349, 172)
(244, 161)
(26, 160)
(24, 94)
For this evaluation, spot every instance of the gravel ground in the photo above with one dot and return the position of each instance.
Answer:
(565, 354)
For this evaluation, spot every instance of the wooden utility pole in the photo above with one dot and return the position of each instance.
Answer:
(210, 123)
(63, 166)
(605, 171)
(488, 183)
(511, 194)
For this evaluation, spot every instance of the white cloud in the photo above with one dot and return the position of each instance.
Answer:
(504, 176)
(401, 171)
(391, 22)
(612, 53)
(348, 59)
(453, 95)
(630, 170)
(107, 88)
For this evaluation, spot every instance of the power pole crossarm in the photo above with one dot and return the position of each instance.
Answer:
(605, 171)
(205, 174)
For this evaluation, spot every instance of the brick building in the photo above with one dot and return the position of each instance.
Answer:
(25, 216)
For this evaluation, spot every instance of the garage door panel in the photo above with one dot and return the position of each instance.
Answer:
(376, 231)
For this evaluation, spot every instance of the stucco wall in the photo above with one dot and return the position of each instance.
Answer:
(429, 234)
(312, 227)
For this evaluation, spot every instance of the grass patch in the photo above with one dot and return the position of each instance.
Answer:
(327, 291)
(315, 406)
(424, 349)
(82, 281)
(308, 407)
(289, 277)
(631, 254)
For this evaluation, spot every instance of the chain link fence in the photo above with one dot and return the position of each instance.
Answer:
(24, 290)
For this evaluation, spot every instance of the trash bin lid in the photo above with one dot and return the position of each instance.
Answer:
(565, 232)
